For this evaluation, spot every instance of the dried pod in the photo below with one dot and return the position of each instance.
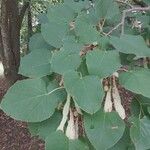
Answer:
(116, 74)
(71, 130)
(108, 103)
(1, 69)
(117, 102)
(65, 114)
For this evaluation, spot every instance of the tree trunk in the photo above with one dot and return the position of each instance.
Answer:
(10, 26)
(29, 24)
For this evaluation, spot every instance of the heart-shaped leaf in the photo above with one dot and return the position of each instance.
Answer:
(137, 81)
(103, 63)
(58, 141)
(45, 128)
(87, 33)
(37, 42)
(87, 91)
(140, 133)
(33, 65)
(106, 9)
(131, 44)
(65, 60)
(103, 129)
(30, 100)
(54, 33)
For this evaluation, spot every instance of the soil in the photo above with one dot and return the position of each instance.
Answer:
(14, 135)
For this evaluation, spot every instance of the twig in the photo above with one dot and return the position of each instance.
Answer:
(130, 10)
(116, 27)
(122, 23)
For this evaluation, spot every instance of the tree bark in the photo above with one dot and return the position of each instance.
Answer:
(22, 11)
(10, 37)
(29, 24)
(10, 26)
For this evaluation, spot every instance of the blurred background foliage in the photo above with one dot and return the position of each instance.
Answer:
(37, 12)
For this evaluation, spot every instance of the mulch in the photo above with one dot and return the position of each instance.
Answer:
(14, 135)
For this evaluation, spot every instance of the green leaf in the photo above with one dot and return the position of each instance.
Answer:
(42, 18)
(70, 43)
(77, 145)
(36, 63)
(131, 44)
(83, 67)
(140, 133)
(106, 9)
(86, 33)
(58, 141)
(103, 63)
(77, 6)
(89, 18)
(137, 81)
(45, 128)
(65, 60)
(147, 1)
(125, 142)
(37, 42)
(135, 107)
(103, 129)
(30, 100)
(60, 13)
(54, 33)
(87, 91)
(142, 100)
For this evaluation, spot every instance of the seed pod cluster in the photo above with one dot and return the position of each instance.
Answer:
(113, 94)
(71, 118)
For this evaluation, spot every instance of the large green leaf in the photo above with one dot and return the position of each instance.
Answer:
(61, 13)
(87, 91)
(58, 141)
(89, 18)
(65, 60)
(87, 33)
(59, 18)
(131, 44)
(45, 128)
(37, 42)
(103, 129)
(77, 145)
(70, 43)
(137, 81)
(36, 63)
(30, 100)
(77, 6)
(140, 133)
(103, 63)
(54, 33)
(124, 143)
(106, 9)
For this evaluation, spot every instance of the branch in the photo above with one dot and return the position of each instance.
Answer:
(116, 27)
(22, 12)
(130, 10)
(122, 23)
